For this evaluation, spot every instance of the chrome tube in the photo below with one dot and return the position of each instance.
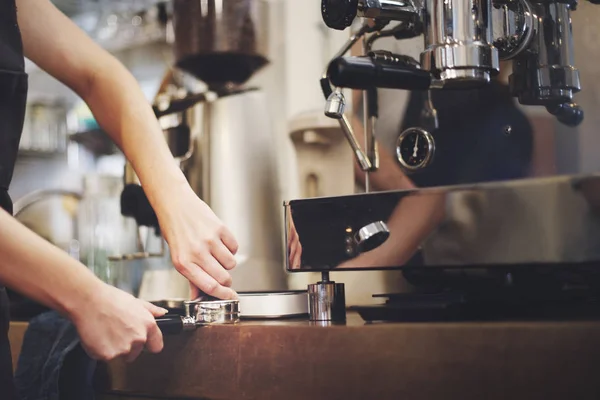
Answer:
(458, 42)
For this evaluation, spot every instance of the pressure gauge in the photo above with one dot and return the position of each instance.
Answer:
(415, 148)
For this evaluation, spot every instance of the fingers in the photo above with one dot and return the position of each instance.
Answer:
(154, 344)
(136, 349)
(207, 283)
(229, 240)
(194, 291)
(152, 341)
(154, 310)
(223, 256)
(215, 270)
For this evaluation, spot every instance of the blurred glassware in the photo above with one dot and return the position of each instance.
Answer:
(103, 231)
(44, 129)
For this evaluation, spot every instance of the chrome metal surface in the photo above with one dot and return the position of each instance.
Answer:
(513, 26)
(273, 304)
(387, 9)
(233, 168)
(361, 157)
(458, 42)
(542, 222)
(212, 312)
(335, 105)
(326, 302)
(372, 235)
(545, 74)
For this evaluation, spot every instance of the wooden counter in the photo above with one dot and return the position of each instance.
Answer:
(297, 360)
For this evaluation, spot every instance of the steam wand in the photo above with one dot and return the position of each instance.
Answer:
(336, 103)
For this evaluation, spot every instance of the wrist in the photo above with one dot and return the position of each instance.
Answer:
(86, 294)
(164, 187)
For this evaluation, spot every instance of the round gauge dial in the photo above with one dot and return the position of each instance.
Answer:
(415, 148)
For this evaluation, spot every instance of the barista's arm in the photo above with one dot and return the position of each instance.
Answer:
(202, 247)
(110, 322)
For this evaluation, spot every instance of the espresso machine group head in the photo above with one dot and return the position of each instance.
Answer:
(464, 40)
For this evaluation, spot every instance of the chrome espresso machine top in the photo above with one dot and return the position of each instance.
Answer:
(526, 247)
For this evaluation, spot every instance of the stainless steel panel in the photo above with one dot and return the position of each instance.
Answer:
(530, 222)
(233, 169)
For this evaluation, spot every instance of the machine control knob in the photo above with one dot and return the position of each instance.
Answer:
(569, 114)
(371, 236)
(339, 14)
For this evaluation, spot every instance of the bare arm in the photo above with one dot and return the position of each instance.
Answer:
(38, 269)
(202, 248)
(110, 322)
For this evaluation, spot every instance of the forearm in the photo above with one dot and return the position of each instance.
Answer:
(122, 111)
(59, 47)
(40, 271)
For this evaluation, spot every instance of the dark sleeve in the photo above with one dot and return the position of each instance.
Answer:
(6, 202)
(412, 112)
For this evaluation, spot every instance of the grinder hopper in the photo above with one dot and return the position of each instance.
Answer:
(220, 42)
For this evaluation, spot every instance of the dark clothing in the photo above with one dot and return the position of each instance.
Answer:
(13, 97)
(472, 144)
(53, 365)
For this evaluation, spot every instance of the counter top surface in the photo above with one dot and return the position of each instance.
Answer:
(296, 359)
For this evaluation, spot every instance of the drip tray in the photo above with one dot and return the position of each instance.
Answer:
(283, 304)
(257, 305)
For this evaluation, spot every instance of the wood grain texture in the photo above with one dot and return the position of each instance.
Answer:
(380, 361)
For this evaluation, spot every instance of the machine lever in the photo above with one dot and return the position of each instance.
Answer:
(364, 72)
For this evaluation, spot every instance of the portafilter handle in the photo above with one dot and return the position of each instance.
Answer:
(175, 325)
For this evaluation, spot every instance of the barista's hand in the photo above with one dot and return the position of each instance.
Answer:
(202, 248)
(114, 323)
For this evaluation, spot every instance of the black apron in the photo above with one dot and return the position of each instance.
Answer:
(13, 97)
(472, 144)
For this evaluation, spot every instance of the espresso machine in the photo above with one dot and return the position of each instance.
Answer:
(514, 248)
